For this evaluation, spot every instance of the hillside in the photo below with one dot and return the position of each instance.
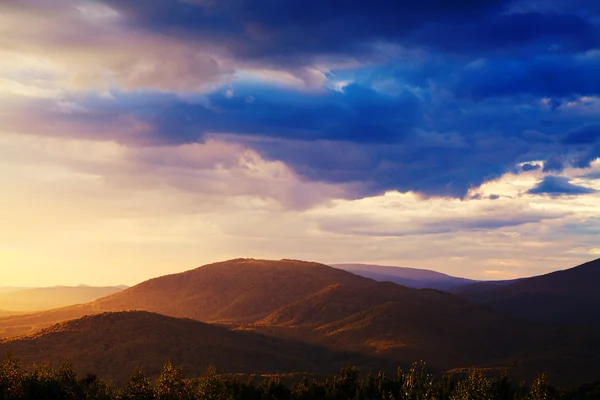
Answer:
(404, 325)
(38, 299)
(410, 277)
(235, 292)
(113, 344)
(569, 296)
(323, 306)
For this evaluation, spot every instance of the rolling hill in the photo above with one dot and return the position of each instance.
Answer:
(235, 292)
(568, 296)
(306, 302)
(37, 299)
(112, 345)
(410, 277)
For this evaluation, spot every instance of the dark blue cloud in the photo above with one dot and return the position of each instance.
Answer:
(358, 114)
(544, 76)
(291, 31)
(522, 32)
(555, 163)
(585, 135)
(273, 28)
(559, 186)
(591, 175)
(530, 167)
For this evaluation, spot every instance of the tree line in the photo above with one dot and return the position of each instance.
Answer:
(63, 383)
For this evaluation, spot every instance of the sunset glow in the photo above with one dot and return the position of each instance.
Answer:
(140, 140)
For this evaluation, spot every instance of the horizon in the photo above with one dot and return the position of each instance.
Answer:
(333, 265)
(163, 135)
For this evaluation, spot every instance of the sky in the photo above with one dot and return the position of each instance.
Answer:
(139, 139)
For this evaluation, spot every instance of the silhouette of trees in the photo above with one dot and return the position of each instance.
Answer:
(62, 383)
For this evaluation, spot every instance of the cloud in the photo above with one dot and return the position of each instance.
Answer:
(559, 186)
(41, 52)
(585, 135)
(151, 210)
(198, 175)
(530, 167)
(428, 98)
(361, 137)
(546, 75)
(406, 214)
(591, 175)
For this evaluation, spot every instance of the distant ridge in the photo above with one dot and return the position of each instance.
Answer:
(7, 289)
(567, 296)
(38, 299)
(410, 277)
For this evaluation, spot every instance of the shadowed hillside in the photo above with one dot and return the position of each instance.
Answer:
(52, 297)
(410, 277)
(113, 344)
(401, 324)
(569, 296)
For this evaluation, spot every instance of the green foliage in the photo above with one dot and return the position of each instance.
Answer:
(62, 383)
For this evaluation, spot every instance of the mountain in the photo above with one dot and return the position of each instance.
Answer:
(112, 345)
(36, 299)
(322, 306)
(568, 296)
(235, 292)
(410, 277)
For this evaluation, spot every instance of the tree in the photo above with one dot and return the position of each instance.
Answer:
(11, 379)
(139, 387)
(171, 384)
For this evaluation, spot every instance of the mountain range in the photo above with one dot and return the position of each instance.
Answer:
(334, 314)
(410, 277)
